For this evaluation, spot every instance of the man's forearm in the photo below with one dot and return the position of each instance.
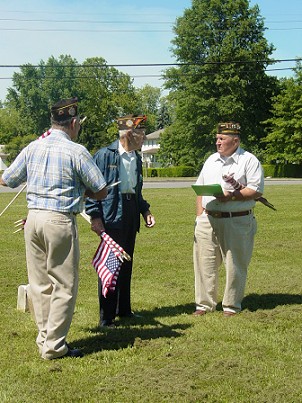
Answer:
(245, 194)
(199, 208)
(101, 194)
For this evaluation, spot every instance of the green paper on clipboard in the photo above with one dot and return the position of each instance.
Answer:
(208, 190)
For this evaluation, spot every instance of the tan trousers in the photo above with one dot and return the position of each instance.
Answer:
(52, 254)
(217, 240)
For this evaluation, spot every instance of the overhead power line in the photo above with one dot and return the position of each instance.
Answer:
(273, 61)
(113, 30)
(154, 65)
(89, 21)
(147, 75)
(122, 21)
(83, 30)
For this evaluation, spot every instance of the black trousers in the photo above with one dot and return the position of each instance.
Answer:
(118, 303)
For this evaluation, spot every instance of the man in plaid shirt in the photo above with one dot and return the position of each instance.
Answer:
(59, 174)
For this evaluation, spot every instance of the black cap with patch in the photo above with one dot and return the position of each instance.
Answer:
(131, 122)
(64, 109)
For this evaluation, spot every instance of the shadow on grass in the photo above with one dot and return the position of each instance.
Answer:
(253, 302)
(136, 331)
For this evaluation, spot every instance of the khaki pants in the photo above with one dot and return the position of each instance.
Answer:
(52, 254)
(217, 240)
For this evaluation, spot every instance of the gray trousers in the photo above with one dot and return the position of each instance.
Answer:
(52, 254)
(217, 240)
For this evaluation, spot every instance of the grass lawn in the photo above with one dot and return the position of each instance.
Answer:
(167, 355)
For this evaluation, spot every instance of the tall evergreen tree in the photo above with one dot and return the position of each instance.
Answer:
(163, 114)
(222, 55)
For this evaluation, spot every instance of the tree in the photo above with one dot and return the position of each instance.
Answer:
(9, 124)
(222, 56)
(284, 141)
(148, 99)
(36, 88)
(102, 91)
(14, 147)
(107, 93)
(164, 114)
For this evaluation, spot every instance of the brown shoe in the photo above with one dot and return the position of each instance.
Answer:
(227, 314)
(199, 312)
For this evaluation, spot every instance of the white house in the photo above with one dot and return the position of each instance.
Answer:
(150, 148)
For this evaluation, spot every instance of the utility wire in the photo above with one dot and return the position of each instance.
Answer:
(84, 30)
(83, 21)
(89, 21)
(113, 30)
(146, 75)
(273, 61)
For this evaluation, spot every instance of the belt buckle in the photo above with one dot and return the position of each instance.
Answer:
(217, 214)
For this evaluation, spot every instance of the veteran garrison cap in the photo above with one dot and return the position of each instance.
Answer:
(131, 122)
(64, 109)
(228, 128)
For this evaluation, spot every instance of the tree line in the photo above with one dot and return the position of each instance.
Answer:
(222, 56)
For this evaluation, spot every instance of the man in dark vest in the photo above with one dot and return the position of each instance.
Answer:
(119, 213)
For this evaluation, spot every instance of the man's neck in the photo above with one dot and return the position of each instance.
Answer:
(126, 145)
(62, 129)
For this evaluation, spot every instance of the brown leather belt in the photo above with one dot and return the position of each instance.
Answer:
(226, 214)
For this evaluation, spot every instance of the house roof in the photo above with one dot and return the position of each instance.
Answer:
(155, 135)
(153, 150)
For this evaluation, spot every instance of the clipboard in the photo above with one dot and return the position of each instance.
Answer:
(208, 190)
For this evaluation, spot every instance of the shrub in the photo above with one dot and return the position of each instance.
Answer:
(171, 172)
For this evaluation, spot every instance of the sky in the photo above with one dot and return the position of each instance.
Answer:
(123, 33)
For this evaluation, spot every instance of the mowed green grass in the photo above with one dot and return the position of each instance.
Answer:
(167, 355)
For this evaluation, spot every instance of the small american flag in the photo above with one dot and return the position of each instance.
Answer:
(107, 262)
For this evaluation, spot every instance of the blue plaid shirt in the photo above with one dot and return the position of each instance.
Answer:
(57, 172)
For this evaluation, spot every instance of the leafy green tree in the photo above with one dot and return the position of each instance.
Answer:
(107, 93)
(148, 99)
(222, 56)
(9, 124)
(284, 141)
(36, 88)
(103, 94)
(14, 147)
(164, 114)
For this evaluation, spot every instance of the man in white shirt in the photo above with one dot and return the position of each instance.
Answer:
(225, 225)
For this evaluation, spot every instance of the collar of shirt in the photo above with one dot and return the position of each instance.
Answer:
(57, 132)
(232, 158)
(122, 151)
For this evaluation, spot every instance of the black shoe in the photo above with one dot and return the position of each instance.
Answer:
(73, 353)
(107, 323)
(130, 315)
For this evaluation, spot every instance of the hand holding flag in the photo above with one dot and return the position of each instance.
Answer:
(107, 262)
(237, 186)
